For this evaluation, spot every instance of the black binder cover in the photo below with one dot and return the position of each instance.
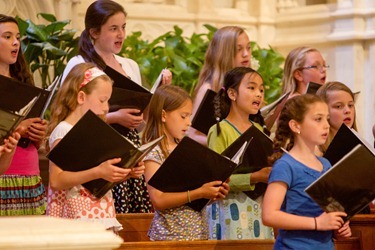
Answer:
(15, 95)
(312, 88)
(126, 94)
(255, 157)
(349, 185)
(344, 141)
(188, 167)
(89, 143)
(204, 118)
(8, 123)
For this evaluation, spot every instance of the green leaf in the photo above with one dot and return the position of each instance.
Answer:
(56, 27)
(49, 17)
(22, 25)
(36, 32)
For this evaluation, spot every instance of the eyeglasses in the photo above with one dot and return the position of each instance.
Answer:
(317, 67)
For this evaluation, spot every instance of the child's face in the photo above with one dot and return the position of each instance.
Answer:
(111, 35)
(243, 53)
(177, 122)
(315, 127)
(9, 43)
(250, 94)
(317, 75)
(341, 109)
(97, 100)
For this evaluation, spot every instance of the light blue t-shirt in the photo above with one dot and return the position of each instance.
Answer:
(298, 177)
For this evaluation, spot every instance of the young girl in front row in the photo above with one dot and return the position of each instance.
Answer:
(169, 115)
(86, 87)
(237, 216)
(302, 223)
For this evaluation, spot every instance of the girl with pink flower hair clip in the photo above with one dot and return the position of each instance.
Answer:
(86, 87)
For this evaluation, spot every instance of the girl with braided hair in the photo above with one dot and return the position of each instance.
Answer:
(237, 216)
(302, 224)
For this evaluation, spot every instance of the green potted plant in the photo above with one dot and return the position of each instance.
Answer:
(47, 48)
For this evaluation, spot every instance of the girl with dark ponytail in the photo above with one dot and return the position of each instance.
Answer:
(100, 42)
(235, 216)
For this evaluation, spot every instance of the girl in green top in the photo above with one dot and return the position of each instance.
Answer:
(237, 216)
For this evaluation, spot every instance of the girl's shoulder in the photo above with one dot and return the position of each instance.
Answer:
(71, 63)
(59, 132)
(155, 155)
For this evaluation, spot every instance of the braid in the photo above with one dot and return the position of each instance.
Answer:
(218, 109)
(294, 109)
(258, 118)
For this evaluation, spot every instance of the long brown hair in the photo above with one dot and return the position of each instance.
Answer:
(167, 98)
(65, 101)
(323, 93)
(20, 69)
(219, 57)
(295, 109)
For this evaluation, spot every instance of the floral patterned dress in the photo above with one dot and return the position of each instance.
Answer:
(131, 196)
(181, 223)
(77, 202)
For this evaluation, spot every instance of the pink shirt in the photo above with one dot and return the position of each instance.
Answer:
(25, 161)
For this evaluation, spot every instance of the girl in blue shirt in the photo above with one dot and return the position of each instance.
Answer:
(302, 224)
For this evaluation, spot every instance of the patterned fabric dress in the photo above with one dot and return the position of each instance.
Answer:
(21, 188)
(180, 223)
(77, 202)
(131, 196)
(237, 216)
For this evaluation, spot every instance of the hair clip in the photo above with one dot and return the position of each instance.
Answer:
(90, 75)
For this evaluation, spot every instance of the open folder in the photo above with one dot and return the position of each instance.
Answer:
(126, 94)
(19, 94)
(9, 120)
(343, 142)
(190, 165)
(272, 111)
(89, 143)
(255, 157)
(349, 185)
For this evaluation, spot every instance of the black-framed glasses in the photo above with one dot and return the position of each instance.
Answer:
(316, 67)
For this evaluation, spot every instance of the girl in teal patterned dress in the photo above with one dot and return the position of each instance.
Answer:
(169, 115)
(237, 216)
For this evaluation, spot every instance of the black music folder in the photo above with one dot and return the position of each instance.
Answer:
(15, 95)
(272, 111)
(126, 94)
(312, 87)
(343, 142)
(204, 118)
(190, 165)
(89, 143)
(255, 157)
(349, 185)
(9, 120)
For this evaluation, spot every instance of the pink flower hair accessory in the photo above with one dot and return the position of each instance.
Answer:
(90, 75)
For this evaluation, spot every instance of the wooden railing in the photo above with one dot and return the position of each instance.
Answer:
(136, 227)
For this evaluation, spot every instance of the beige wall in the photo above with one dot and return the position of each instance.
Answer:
(343, 30)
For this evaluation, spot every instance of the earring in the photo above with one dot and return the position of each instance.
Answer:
(298, 132)
(162, 120)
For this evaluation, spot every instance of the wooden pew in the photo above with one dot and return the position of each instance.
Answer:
(363, 226)
(135, 228)
(201, 244)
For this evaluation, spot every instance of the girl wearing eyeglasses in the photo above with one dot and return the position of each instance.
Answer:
(303, 65)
